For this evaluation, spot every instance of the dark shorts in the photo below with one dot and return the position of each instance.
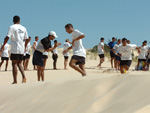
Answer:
(148, 60)
(27, 56)
(66, 57)
(4, 58)
(16, 57)
(37, 58)
(45, 57)
(80, 60)
(55, 56)
(101, 55)
(24, 57)
(112, 55)
(117, 58)
(125, 62)
(141, 60)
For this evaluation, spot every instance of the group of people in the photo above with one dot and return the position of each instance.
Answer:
(121, 53)
(20, 50)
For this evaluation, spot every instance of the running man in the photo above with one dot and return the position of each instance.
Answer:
(34, 48)
(79, 53)
(55, 56)
(101, 52)
(44, 45)
(125, 52)
(66, 55)
(117, 58)
(27, 58)
(18, 34)
(112, 55)
(142, 50)
(5, 56)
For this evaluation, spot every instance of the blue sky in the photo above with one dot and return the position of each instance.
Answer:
(95, 18)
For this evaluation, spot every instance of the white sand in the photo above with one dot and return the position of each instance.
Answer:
(102, 91)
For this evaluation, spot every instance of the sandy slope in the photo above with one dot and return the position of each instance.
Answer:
(102, 91)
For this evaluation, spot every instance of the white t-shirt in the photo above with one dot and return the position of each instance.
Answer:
(116, 46)
(66, 46)
(78, 49)
(126, 51)
(148, 52)
(55, 50)
(17, 33)
(45, 53)
(143, 52)
(5, 52)
(100, 49)
(28, 48)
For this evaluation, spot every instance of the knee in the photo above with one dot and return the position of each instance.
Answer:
(71, 64)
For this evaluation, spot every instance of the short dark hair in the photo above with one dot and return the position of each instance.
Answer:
(55, 41)
(66, 40)
(69, 25)
(29, 37)
(113, 38)
(102, 38)
(124, 39)
(145, 41)
(119, 39)
(36, 37)
(16, 19)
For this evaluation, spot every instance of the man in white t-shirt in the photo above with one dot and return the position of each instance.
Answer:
(17, 33)
(100, 51)
(79, 53)
(34, 47)
(117, 58)
(55, 56)
(125, 52)
(66, 55)
(5, 55)
(142, 50)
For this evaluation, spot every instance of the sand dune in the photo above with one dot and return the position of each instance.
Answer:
(102, 91)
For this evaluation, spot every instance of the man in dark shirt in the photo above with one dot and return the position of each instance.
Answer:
(112, 55)
(44, 45)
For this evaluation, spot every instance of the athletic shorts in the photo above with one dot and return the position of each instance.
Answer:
(125, 62)
(55, 56)
(101, 55)
(80, 60)
(117, 58)
(141, 60)
(37, 58)
(27, 56)
(4, 58)
(112, 55)
(66, 57)
(45, 57)
(16, 57)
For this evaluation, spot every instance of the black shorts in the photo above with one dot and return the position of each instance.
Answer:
(24, 57)
(112, 55)
(27, 56)
(149, 60)
(16, 57)
(4, 58)
(125, 62)
(37, 58)
(66, 57)
(45, 57)
(101, 55)
(80, 60)
(55, 56)
(117, 58)
(141, 60)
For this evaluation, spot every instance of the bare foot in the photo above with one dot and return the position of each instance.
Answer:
(14, 83)
(24, 80)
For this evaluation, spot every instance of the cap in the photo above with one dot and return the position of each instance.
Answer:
(53, 33)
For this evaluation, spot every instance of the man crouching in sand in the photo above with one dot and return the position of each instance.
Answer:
(79, 53)
(44, 45)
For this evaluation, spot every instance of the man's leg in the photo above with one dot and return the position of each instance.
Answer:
(14, 71)
(44, 61)
(111, 62)
(39, 72)
(73, 65)
(138, 65)
(65, 63)
(21, 69)
(42, 73)
(6, 65)
(1, 63)
(27, 63)
(82, 67)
